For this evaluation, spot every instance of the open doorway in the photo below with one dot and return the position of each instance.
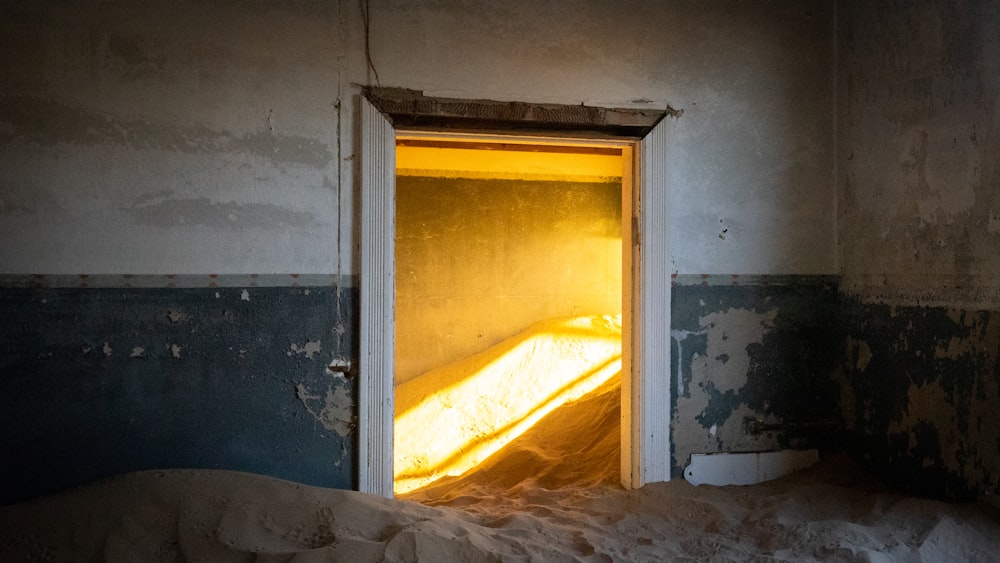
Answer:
(645, 383)
(508, 306)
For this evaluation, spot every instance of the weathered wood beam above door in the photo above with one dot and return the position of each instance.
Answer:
(411, 110)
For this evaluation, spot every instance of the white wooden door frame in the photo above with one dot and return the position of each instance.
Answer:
(645, 383)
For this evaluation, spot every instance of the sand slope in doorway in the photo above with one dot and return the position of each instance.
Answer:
(452, 418)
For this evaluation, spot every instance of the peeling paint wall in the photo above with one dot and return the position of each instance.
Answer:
(100, 381)
(190, 137)
(923, 397)
(752, 361)
(917, 160)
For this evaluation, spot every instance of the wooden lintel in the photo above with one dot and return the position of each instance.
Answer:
(410, 109)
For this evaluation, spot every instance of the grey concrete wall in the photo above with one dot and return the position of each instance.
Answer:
(918, 154)
(219, 137)
(169, 137)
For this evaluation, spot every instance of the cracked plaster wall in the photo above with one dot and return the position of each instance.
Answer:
(918, 154)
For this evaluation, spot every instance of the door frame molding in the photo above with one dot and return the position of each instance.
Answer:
(645, 137)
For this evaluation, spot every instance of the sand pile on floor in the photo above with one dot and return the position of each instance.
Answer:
(549, 495)
(450, 419)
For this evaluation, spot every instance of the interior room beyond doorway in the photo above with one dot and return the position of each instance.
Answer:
(508, 292)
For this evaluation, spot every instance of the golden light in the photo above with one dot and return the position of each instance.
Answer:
(452, 418)
(557, 256)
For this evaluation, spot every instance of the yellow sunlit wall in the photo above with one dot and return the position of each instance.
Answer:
(490, 241)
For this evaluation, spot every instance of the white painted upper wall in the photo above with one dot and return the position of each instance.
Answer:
(195, 137)
(919, 144)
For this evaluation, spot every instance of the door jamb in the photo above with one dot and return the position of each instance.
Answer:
(646, 398)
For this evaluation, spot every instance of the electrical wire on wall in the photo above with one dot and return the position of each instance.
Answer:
(366, 14)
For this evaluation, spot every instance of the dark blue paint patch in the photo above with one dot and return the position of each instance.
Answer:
(791, 375)
(720, 405)
(70, 413)
(943, 451)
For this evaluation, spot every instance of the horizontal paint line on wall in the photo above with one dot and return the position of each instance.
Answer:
(970, 293)
(752, 279)
(175, 280)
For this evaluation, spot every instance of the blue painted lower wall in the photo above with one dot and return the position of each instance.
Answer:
(100, 381)
(923, 396)
(754, 364)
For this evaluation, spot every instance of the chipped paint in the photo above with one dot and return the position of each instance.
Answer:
(923, 404)
(310, 349)
(334, 410)
(244, 295)
(758, 352)
(161, 409)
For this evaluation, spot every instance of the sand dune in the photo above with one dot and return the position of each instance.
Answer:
(546, 496)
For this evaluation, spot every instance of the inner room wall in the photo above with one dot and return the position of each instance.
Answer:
(482, 256)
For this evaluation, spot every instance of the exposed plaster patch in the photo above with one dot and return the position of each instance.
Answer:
(993, 226)
(680, 336)
(176, 315)
(245, 295)
(107, 349)
(927, 404)
(138, 352)
(333, 410)
(864, 355)
(310, 349)
(175, 350)
(731, 332)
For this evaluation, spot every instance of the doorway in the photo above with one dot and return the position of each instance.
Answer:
(508, 296)
(645, 395)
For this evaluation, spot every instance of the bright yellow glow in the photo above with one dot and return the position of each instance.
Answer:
(452, 418)
(501, 164)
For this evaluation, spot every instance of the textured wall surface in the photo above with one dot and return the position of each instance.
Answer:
(100, 381)
(146, 137)
(757, 350)
(478, 261)
(918, 158)
(924, 395)
(220, 137)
